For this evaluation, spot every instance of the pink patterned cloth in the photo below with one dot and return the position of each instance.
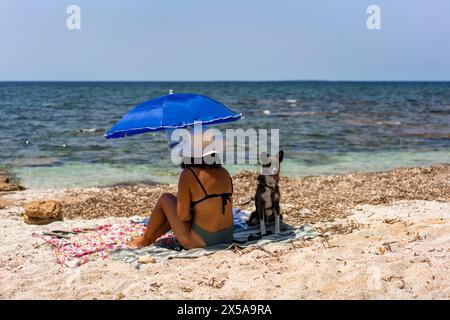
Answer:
(92, 244)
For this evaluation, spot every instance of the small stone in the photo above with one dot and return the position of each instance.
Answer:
(305, 211)
(400, 284)
(120, 296)
(146, 259)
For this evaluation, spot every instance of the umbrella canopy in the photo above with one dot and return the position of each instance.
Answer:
(172, 111)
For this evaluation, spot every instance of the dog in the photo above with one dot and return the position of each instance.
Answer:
(267, 197)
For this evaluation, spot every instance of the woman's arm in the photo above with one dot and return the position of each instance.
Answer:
(184, 196)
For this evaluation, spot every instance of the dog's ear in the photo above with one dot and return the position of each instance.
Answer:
(264, 158)
(280, 156)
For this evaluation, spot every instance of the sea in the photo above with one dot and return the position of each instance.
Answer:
(52, 133)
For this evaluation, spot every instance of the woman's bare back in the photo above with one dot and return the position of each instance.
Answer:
(208, 214)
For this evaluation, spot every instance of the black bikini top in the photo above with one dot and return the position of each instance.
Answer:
(226, 196)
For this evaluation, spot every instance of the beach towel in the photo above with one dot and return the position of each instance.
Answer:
(91, 244)
(97, 242)
(109, 240)
(240, 218)
(243, 238)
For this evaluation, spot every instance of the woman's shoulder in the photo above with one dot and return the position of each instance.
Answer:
(185, 173)
(188, 172)
(216, 170)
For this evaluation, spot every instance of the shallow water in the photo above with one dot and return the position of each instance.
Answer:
(51, 134)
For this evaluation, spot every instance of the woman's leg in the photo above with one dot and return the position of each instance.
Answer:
(181, 230)
(157, 224)
(161, 231)
(163, 218)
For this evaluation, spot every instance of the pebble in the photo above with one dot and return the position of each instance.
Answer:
(146, 259)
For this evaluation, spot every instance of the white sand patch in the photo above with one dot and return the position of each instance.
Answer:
(413, 264)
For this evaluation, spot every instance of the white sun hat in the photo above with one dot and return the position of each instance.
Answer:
(196, 142)
(202, 143)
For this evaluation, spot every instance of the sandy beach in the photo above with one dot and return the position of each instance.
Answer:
(385, 236)
(334, 115)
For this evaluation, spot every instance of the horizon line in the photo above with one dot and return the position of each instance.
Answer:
(203, 81)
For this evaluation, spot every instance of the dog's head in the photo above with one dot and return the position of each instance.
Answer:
(270, 168)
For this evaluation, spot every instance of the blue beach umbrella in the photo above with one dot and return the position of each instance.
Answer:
(172, 111)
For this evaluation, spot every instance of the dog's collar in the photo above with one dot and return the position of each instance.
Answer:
(267, 186)
(271, 188)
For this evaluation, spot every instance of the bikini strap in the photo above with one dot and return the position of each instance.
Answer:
(198, 180)
(226, 196)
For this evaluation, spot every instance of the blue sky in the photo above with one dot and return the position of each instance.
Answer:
(225, 40)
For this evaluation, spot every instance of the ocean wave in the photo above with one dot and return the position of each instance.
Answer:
(427, 134)
(249, 101)
(389, 123)
(90, 130)
(302, 113)
(439, 111)
(370, 122)
(37, 162)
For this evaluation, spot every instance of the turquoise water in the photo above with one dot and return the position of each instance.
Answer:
(51, 134)
(86, 175)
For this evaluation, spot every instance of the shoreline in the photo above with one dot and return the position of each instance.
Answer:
(385, 235)
(73, 174)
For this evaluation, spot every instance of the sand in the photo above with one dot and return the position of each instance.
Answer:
(396, 249)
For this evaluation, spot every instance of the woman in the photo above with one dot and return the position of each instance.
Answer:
(200, 215)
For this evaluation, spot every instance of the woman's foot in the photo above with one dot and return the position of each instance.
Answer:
(138, 242)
